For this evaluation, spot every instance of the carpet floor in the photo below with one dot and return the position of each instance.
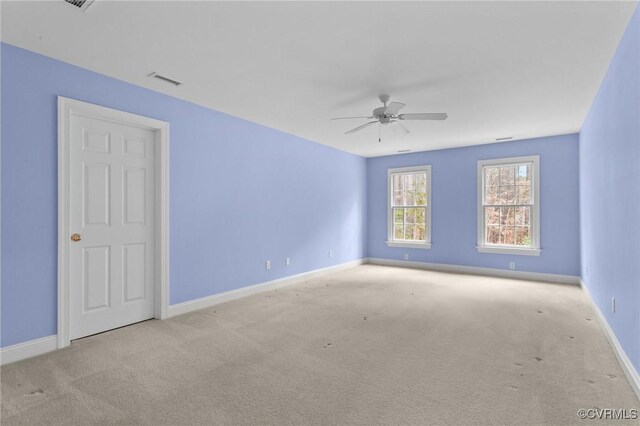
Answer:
(371, 345)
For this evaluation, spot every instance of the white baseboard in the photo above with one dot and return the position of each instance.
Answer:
(28, 349)
(623, 359)
(46, 344)
(475, 270)
(216, 299)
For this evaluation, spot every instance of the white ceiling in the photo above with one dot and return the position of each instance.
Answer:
(521, 69)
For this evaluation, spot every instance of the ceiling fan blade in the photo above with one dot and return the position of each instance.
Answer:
(393, 108)
(424, 116)
(348, 118)
(360, 127)
(399, 127)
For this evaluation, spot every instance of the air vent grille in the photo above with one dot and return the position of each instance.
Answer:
(165, 79)
(80, 4)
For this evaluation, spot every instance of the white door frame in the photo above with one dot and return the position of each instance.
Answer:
(66, 107)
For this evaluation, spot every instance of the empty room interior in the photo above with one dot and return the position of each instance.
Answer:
(320, 213)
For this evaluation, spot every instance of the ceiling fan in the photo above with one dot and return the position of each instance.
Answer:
(388, 114)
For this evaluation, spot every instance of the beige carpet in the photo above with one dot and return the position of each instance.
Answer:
(370, 345)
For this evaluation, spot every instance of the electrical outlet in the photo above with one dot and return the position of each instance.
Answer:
(287, 261)
(512, 266)
(406, 256)
(613, 305)
(330, 253)
(267, 265)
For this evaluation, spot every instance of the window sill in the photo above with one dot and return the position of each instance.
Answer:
(509, 250)
(408, 244)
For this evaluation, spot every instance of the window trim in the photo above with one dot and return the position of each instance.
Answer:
(408, 244)
(535, 219)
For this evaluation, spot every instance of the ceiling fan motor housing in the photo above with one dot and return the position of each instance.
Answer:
(379, 114)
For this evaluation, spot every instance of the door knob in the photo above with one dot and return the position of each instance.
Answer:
(76, 237)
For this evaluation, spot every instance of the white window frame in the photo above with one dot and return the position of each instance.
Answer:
(534, 250)
(391, 242)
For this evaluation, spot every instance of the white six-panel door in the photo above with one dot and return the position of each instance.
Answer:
(111, 222)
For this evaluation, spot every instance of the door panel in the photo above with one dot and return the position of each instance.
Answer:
(96, 184)
(134, 147)
(96, 141)
(134, 195)
(112, 209)
(133, 276)
(96, 282)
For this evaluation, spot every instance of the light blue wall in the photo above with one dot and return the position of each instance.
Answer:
(217, 245)
(610, 193)
(454, 205)
(240, 193)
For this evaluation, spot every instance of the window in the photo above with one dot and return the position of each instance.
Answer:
(409, 207)
(508, 206)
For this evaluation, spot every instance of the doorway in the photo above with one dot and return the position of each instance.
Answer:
(112, 219)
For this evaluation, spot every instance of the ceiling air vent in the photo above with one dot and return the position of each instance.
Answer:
(165, 79)
(83, 5)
